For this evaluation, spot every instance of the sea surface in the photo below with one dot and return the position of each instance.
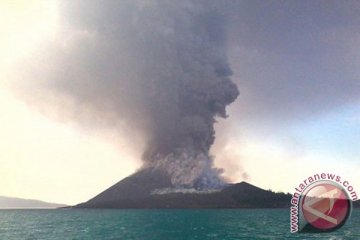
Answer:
(159, 224)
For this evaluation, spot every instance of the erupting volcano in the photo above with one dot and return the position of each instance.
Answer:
(163, 73)
(185, 85)
(172, 80)
(157, 69)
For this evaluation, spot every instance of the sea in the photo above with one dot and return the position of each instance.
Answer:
(160, 224)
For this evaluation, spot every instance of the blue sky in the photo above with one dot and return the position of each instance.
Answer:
(336, 134)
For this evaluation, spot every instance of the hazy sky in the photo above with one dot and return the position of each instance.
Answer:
(296, 63)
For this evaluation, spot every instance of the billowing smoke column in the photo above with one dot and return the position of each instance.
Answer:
(158, 66)
(190, 85)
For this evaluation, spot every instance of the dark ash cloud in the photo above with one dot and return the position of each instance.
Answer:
(158, 67)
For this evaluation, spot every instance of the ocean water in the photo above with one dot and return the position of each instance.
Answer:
(159, 224)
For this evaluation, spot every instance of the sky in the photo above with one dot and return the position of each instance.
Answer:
(296, 65)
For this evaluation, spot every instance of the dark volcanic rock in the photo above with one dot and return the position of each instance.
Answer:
(136, 190)
(132, 188)
(356, 204)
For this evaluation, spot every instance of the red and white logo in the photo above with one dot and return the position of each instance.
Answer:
(325, 206)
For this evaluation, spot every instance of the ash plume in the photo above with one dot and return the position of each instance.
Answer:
(158, 67)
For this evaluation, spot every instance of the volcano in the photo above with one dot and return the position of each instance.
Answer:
(152, 188)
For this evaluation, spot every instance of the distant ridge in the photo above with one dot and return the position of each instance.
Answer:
(19, 203)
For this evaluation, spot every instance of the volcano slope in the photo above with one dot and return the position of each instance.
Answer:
(151, 188)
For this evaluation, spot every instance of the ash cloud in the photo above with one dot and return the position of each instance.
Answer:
(158, 67)
(295, 61)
